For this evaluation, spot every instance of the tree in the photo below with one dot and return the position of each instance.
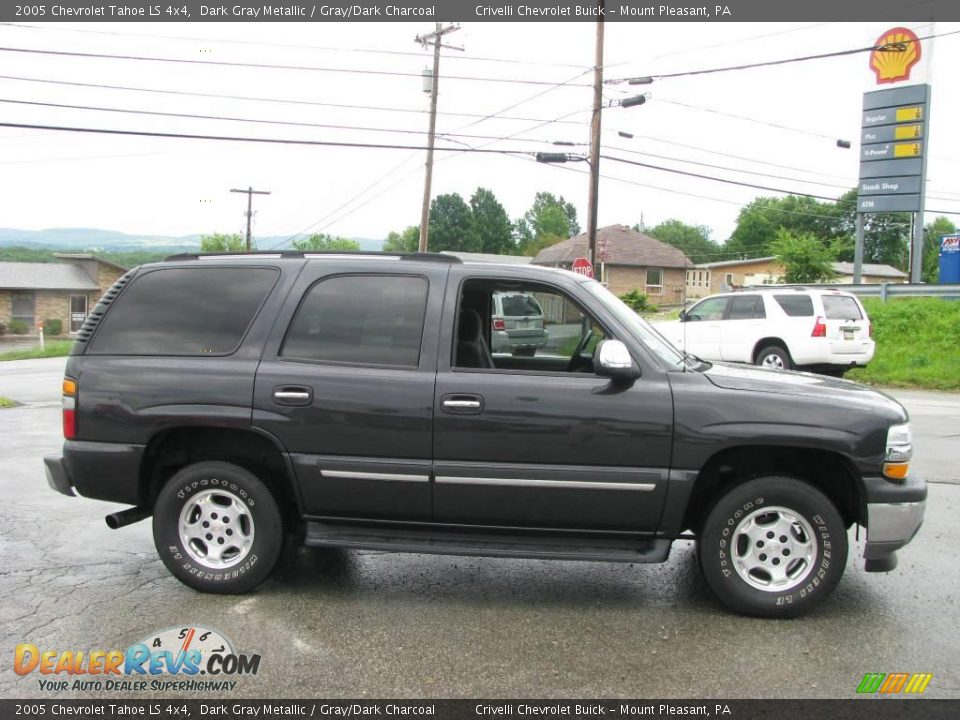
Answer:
(549, 220)
(318, 242)
(804, 256)
(759, 222)
(693, 240)
(407, 241)
(492, 230)
(223, 242)
(931, 247)
(451, 224)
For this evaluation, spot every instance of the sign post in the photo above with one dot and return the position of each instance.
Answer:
(582, 266)
(894, 140)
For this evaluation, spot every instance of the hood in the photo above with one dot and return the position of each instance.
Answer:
(784, 382)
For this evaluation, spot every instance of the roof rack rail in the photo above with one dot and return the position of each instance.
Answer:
(435, 257)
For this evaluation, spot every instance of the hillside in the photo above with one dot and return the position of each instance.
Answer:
(76, 239)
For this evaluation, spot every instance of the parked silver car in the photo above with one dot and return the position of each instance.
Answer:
(517, 324)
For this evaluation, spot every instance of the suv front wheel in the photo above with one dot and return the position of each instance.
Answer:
(773, 547)
(217, 528)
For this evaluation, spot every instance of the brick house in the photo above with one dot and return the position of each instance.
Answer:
(631, 260)
(66, 290)
(714, 277)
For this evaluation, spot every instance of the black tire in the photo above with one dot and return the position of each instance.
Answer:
(739, 585)
(251, 545)
(774, 356)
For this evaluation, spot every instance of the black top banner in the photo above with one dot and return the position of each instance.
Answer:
(482, 10)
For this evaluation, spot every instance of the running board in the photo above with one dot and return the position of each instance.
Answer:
(447, 541)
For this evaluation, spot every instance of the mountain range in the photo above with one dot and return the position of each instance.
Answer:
(92, 239)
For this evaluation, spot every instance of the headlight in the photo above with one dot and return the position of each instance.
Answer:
(899, 451)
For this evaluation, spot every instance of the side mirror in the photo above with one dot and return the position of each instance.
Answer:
(683, 316)
(613, 360)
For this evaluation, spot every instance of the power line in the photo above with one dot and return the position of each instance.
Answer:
(747, 119)
(286, 101)
(716, 179)
(229, 118)
(294, 46)
(231, 138)
(268, 66)
(894, 47)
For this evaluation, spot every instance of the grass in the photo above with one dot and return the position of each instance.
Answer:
(54, 348)
(6, 402)
(917, 344)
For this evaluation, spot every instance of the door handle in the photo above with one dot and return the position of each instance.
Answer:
(462, 404)
(293, 395)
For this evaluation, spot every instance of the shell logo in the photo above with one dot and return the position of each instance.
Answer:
(895, 64)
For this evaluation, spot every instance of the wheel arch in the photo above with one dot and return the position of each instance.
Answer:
(259, 452)
(829, 471)
(766, 342)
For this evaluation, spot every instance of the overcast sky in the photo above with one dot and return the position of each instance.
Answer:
(178, 187)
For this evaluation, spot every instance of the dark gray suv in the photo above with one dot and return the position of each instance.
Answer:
(353, 401)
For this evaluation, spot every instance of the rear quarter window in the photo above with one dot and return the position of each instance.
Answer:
(841, 307)
(798, 305)
(184, 311)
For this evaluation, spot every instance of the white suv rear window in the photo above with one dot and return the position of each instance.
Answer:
(841, 307)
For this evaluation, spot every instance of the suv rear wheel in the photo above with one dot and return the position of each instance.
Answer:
(773, 547)
(217, 528)
(774, 357)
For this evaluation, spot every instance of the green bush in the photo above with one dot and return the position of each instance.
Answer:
(52, 326)
(636, 300)
(19, 327)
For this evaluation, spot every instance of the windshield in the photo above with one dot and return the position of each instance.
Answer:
(640, 328)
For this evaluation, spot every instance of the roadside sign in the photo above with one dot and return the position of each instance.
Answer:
(582, 266)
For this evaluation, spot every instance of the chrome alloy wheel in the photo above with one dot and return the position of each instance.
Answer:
(216, 529)
(774, 549)
(772, 362)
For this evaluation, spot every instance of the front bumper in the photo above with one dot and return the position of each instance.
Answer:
(894, 515)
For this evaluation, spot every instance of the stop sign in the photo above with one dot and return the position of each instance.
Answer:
(582, 266)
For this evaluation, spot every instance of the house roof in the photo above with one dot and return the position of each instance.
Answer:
(871, 269)
(732, 263)
(489, 257)
(88, 256)
(624, 246)
(44, 276)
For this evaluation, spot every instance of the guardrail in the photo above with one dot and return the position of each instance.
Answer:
(880, 290)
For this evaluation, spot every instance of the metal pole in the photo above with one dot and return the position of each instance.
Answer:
(595, 142)
(428, 180)
(249, 213)
(858, 251)
(916, 267)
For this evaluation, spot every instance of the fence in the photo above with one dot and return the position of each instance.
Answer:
(880, 290)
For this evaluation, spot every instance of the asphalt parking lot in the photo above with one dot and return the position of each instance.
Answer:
(363, 624)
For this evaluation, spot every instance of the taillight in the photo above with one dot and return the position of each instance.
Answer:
(69, 409)
(499, 324)
(819, 328)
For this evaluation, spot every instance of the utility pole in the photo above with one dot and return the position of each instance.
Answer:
(250, 192)
(595, 142)
(425, 40)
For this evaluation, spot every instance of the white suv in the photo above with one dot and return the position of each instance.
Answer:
(824, 331)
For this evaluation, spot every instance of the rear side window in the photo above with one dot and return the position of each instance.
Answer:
(841, 307)
(360, 320)
(519, 305)
(184, 311)
(798, 305)
(748, 307)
